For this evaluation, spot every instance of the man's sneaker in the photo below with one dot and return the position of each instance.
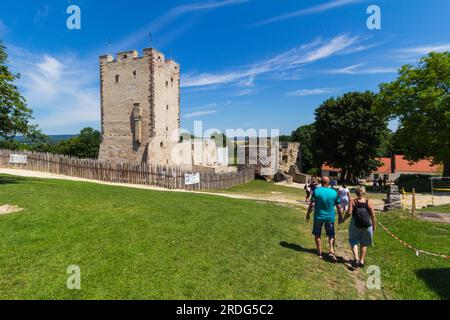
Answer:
(356, 264)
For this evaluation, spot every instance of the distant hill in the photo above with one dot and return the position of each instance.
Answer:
(53, 138)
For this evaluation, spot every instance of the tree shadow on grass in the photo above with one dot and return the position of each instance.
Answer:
(299, 248)
(12, 180)
(437, 280)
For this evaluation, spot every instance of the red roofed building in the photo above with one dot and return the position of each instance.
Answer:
(391, 168)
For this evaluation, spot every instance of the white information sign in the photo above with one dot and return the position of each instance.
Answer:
(190, 179)
(18, 159)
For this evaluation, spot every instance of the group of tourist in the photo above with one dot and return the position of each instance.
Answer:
(325, 201)
(379, 184)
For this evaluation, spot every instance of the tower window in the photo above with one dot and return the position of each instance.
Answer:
(117, 78)
(167, 107)
(161, 144)
(134, 73)
(167, 83)
(171, 81)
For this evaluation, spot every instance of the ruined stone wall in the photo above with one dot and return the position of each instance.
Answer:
(140, 107)
(271, 157)
(198, 152)
(289, 155)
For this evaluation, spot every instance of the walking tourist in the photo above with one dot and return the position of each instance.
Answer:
(324, 200)
(344, 195)
(362, 226)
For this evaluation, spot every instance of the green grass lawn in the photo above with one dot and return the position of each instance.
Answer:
(142, 244)
(438, 209)
(405, 275)
(373, 195)
(262, 188)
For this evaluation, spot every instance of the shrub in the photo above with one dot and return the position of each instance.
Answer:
(421, 182)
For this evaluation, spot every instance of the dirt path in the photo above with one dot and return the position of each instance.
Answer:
(359, 276)
(6, 209)
(46, 175)
(435, 217)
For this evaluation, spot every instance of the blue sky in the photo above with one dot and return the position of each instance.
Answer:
(245, 63)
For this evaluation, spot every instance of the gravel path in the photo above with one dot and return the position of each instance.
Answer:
(422, 200)
(45, 175)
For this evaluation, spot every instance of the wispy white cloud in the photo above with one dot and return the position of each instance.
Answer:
(345, 70)
(312, 10)
(61, 89)
(163, 22)
(244, 92)
(207, 5)
(358, 69)
(313, 92)
(336, 45)
(422, 50)
(412, 54)
(207, 109)
(42, 13)
(196, 114)
(289, 60)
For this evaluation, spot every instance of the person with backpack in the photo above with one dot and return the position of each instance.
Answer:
(362, 226)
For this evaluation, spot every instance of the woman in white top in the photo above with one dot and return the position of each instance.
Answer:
(344, 195)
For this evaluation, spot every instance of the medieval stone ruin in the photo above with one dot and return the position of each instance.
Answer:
(274, 160)
(140, 120)
(140, 112)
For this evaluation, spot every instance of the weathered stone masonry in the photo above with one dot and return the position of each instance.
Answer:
(140, 107)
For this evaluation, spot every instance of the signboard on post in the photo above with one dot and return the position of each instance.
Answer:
(191, 179)
(18, 159)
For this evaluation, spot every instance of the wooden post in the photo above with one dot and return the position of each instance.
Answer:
(413, 202)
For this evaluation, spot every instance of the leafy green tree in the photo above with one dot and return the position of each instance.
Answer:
(14, 114)
(285, 138)
(85, 145)
(349, 133)
(391, 145)
(304, 135)
(420, 100)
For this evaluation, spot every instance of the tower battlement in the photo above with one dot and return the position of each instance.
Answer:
(134, 54)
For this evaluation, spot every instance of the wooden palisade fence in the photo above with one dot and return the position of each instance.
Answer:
(169, 177)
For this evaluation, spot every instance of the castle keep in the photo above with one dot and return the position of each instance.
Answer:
(140, 107)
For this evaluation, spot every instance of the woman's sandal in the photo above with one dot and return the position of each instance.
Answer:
(333, 257)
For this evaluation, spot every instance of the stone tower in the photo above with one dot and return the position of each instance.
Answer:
(140, 107)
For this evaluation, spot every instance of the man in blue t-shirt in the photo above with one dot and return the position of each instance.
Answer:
(323, 202)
